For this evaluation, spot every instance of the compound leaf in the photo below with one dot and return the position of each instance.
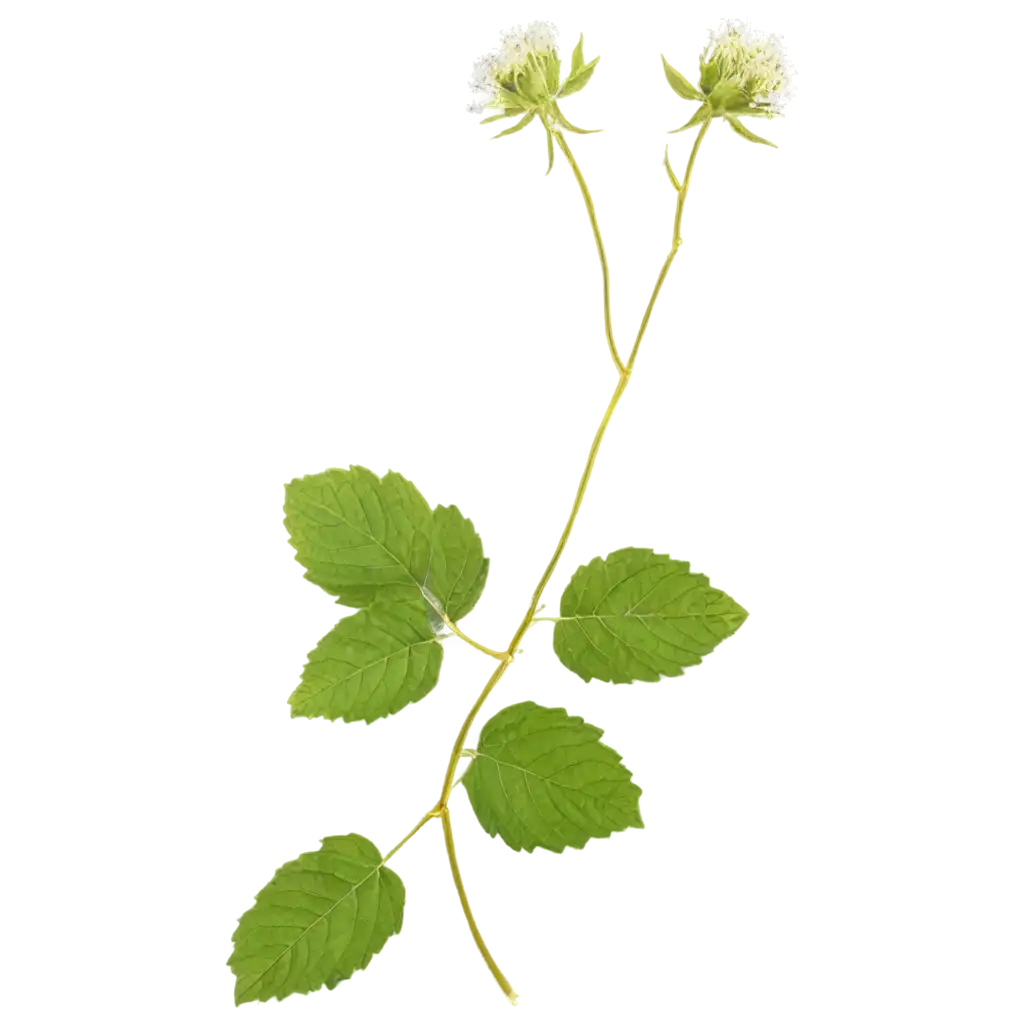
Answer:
(542, 778)
(370, 664)
(458, 569)
(639, 616)
(359, 536)
(320, 919)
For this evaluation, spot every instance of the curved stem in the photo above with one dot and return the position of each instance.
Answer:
(435, 604)
(449, 842)
(564, 147)
(676, 241)
(581, 490)
(528, 618)
(472, 643)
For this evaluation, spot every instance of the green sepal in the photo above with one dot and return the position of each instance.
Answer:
(551, 151)
(518, 126)
(571, 127)
(511, 112)
(681, 83)
(576, 55)
(711, 74)
(576, 82)
(739, 129)
(514, 96)
(728, 97)
(551, 73)
(699, 115)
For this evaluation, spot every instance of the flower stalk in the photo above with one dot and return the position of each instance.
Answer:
(625, 371)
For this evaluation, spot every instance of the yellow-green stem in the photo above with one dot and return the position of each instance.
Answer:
(506, 658)
(436, 605)
(676, 242)
(449, 842)
(589, 203)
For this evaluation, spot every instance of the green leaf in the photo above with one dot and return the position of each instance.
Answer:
(681, 86)
(359, 537)
(640, 616)
(551, 151)
(518, 126)
(542, 778)
(458, 569)
(320, 919)
(370, 664)
(494, 117)
(578, 79)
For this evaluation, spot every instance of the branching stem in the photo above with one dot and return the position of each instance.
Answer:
(505, 658)
(432, 601)
(589, 203)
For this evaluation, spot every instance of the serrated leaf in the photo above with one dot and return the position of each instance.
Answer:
(517, 127)
(358, 536)
(679, 84)
(542, 778)
(578, 79)
(458, 569)
(370, 664)
(320, 919)
(639, 616)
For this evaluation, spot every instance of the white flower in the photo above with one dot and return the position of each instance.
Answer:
(500, 66)
(754, 60)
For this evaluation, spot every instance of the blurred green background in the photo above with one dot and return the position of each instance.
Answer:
(241, 243)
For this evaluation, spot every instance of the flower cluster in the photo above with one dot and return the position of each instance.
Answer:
(522, 72)
(524, 76)
(752, 62)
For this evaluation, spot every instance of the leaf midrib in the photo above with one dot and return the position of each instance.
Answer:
(369, 536)
(330, 910)
(357, 670)
(543, 778)
(635, 615)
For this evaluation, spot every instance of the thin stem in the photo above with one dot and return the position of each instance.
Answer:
(435, 604)
(581, 490)
(393, 852)
(449, 842)
(492, 651)
(676, 242)
(528, 618)
(589, 203)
